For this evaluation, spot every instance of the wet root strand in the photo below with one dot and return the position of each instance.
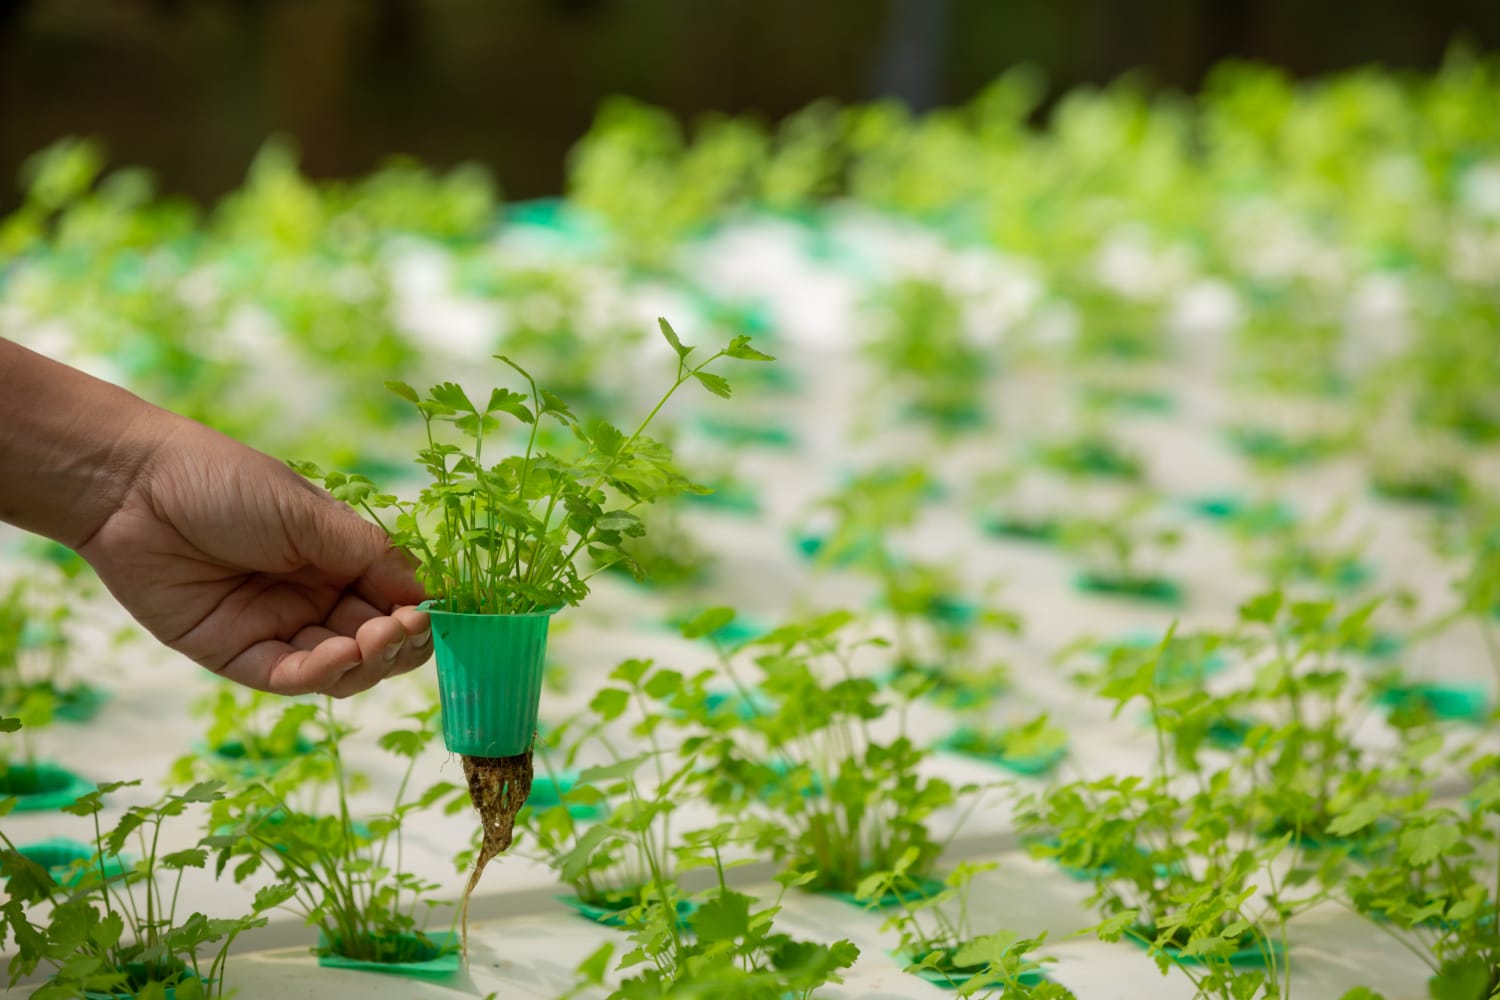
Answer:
(498, 787)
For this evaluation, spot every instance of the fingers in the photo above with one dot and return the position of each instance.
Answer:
(320, 660)
(419, 636)
(281, 668)
(353, 615)
(333, 538)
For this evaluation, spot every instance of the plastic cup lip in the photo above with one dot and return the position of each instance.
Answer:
(430, 607)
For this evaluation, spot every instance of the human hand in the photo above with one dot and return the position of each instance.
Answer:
(229, 557)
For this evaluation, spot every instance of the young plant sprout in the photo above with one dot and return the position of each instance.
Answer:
(346, 875)
(36, 646)
(939, 943)
(250, 732)
(1117, 549)
(1175, 858)
(825, 796)
(922, 345)
(113, 929)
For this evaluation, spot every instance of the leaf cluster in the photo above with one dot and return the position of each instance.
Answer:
(518, 536)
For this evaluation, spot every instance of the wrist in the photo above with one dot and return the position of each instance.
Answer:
(72, 448)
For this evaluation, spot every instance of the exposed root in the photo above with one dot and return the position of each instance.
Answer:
(498, 787)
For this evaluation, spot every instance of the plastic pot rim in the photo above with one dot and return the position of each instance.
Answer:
(430, 607)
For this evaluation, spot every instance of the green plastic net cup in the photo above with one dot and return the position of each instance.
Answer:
(489, 679)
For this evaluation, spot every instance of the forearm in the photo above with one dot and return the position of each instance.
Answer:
(70, 445)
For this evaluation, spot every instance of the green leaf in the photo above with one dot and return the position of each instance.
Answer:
(726, 917)
(713, 383)
(609, 772)
(609, 703)
(571, 866)
(671, 335)
(631, 671)
(740, 348)
(403, 742)
(271, 896)
(204, 791)
(452, 396)
(593, 968)
(1358, 816)
(193, 857)
(606, 439)
(1262, 608)
(1361, 993)
(403, 390)
(987, 950)
(871, 886)
(505, 401)
(663, 684)
(706, 622)
(1466, 978)
(9, 725)
(1425, 844)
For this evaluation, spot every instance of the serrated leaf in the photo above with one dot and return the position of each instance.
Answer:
(403, 742)
(714, 384)
(193, 857)
(740, 349)
(986, 950)
(270, 896)
(452, 396)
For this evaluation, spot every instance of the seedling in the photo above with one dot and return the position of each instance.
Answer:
(250, 732)
(620, 866)
(923, 347)
(114, 930)
(1091, 454)
(729, 947)
(346, 875)
(35, 648)
(1174, 862)
(1114, 547)
(1032, 748)
(1427, 880)
(826, 797)
(1009, 507)
(938, 940)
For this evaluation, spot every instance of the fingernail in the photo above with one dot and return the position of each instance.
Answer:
(393, 649)
(422, 638)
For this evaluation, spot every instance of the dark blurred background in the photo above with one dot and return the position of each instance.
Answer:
(192, 87)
